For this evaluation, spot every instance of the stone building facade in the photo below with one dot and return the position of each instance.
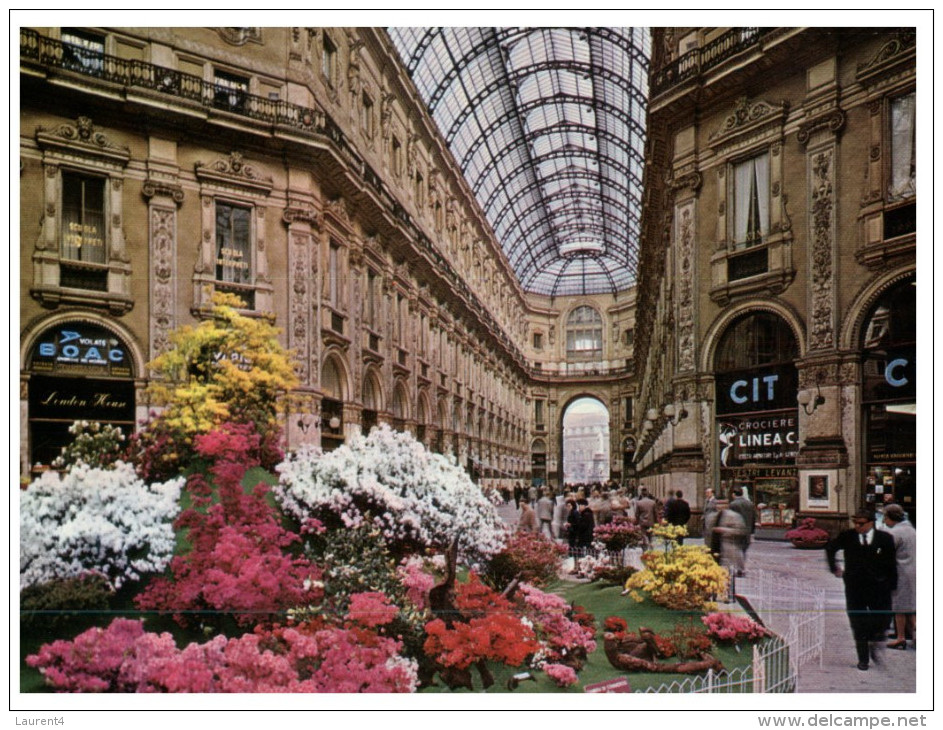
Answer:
(297, 168)
(776, 299)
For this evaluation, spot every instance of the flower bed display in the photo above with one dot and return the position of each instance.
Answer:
(807, 535)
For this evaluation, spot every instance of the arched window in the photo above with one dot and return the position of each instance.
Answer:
(759, 338)
(584, 334)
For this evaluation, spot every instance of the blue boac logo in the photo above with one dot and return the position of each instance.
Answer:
(75, 347)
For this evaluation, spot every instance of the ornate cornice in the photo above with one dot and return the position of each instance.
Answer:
(748, 117)
(234, 172)
(82, 138)
(900, 49)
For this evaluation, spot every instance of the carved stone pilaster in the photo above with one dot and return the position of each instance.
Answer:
(301, 286)
(162, 235)
(821, 328)
(686, 274)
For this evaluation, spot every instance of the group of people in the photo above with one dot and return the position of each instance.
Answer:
(880, 580)
(573, 516)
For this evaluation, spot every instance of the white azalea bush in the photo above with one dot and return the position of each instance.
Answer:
(416, 498)
(96, 520)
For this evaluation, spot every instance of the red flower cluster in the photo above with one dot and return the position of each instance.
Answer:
(492, 631)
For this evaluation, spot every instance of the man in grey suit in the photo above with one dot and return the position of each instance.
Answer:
(744, 507)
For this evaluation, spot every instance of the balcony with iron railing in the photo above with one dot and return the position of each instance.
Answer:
(698, 62)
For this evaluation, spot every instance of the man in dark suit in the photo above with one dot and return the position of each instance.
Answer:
(870, 575)
(678, 512)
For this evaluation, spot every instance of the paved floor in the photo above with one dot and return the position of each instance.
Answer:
(837, 672)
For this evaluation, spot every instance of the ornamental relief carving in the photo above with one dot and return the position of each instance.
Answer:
(894, 50)
(302, 214)
(159, 188)
(834, 122)
(82, 135)
(748, 117)
(821, 330)
(162, 237)
(686, 289)
(240, 36)
(300, 304)
(234, 171)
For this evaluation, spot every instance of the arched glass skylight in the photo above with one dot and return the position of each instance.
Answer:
(548, 125)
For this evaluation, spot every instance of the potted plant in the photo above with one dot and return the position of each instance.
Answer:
(807, 536)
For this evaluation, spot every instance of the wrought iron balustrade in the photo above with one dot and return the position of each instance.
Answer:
(53, 53)
(699, 61)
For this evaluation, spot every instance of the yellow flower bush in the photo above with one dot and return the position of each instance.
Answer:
(683, 578)
(669, 533)
(230, 367)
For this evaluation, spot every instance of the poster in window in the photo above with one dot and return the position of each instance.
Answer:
(818, 490)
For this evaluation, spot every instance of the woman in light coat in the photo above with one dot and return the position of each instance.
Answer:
(904, 598)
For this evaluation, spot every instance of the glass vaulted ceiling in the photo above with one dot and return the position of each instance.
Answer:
(548, 125)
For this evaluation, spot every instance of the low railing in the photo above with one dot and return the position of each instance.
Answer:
(790, 608)
(701, 60)
(770, 671)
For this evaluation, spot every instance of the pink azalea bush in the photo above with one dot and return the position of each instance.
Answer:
(239, 561)
(125, 658)
(417, 581)
(561, 674)
(563, 640)
(731, 628)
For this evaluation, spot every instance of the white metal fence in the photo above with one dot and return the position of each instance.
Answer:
(770, 671)
(795, 613)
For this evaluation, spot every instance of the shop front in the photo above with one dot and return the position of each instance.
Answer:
(889, 398)
(77, 372)
(756, 417)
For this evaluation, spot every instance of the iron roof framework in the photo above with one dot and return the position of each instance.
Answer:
(548, 126)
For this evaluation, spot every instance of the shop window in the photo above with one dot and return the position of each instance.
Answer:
(234, 251)
(584, 334)
(230, 91)
(82, 51)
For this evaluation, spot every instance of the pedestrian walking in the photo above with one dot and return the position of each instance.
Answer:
(545, 514)
(904, 597)
(729, 532)
(646, 514)
(528, 519)
(744, 507)
(870, 575)
(586, 526)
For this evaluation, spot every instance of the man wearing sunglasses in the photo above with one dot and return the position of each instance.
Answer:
(870, 575)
